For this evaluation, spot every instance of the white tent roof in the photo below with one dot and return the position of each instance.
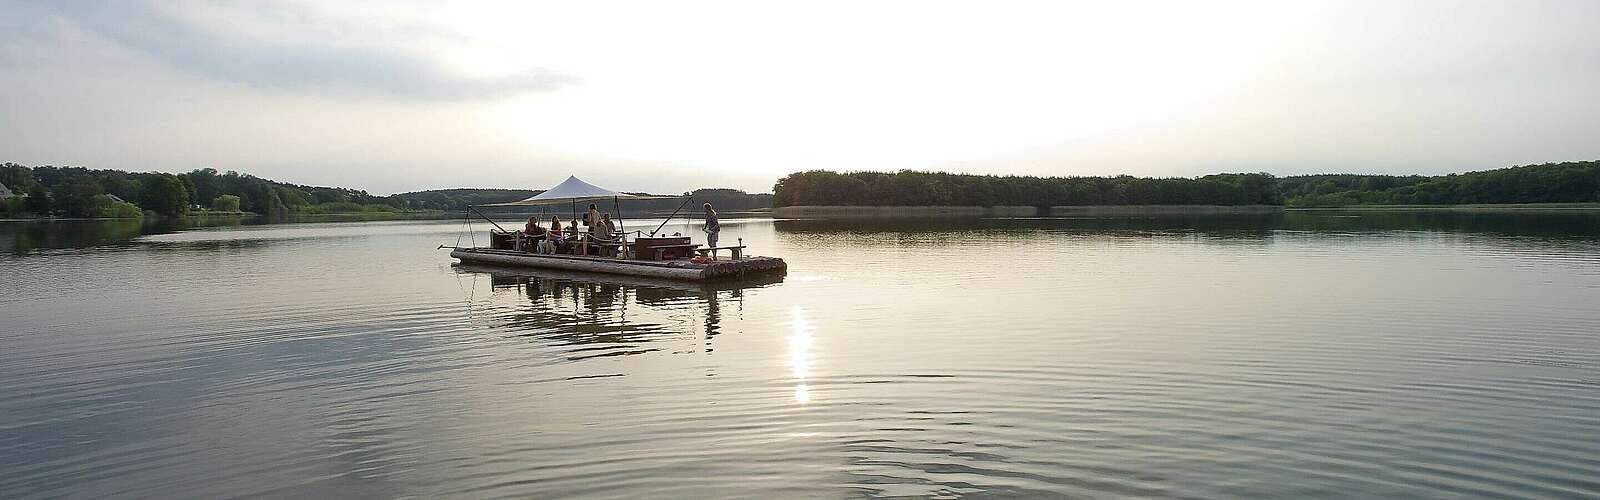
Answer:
(572, 189)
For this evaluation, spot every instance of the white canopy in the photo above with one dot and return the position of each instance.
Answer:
(572, 189)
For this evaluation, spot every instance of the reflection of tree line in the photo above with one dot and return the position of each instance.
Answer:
(1581, 225)
(25, 237)
(576, 312)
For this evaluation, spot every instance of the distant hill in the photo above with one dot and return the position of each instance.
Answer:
(461, 198)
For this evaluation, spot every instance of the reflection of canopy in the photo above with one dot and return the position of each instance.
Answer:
(572, 189)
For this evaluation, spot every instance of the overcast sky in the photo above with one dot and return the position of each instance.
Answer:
(670, 96)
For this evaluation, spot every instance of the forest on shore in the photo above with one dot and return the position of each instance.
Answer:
(82, 192)
(455, 200)
(912, 188)
(1569, 182)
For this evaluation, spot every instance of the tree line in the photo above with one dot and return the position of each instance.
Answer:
(84, 192)
(456, 200)
(912, 188)
(1568, 182)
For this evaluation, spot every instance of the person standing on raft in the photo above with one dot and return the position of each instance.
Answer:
(592, 218)
(712, 227)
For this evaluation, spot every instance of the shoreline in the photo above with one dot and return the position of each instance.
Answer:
(1475, 207)
(844, 211)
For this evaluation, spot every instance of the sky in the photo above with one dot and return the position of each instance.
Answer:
(667, 97)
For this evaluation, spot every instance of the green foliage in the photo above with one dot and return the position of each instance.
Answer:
(912, 188)
(165, 194)
(107, 206)
(76, 196)
(193, 195)
(13, 207)
(225, 203)
(207, 184)
(38, 202)
(17, 177)
(120, 184)
(1570, 182)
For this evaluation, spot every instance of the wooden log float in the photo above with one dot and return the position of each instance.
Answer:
(676, 269)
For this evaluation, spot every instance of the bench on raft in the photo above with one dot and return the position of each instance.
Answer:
(736, 250)
(662, 249)
(589, 240)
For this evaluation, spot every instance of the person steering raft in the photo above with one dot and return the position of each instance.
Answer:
(712, 228)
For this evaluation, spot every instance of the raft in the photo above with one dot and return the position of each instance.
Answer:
(683, 270)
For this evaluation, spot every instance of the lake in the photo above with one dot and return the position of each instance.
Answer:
(1306, 354)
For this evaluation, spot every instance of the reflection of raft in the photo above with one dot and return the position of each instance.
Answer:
(668, 269)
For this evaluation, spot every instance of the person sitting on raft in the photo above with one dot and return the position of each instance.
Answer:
(606, 231)
(552, 237)
(608, 227)
(530, 231)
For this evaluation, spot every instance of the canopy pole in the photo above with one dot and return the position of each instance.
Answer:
(622, 233)
(616, 206)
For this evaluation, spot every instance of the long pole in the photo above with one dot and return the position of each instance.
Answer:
(471, 208)
(686, 201)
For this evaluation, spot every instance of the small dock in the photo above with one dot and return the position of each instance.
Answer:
(680, 269)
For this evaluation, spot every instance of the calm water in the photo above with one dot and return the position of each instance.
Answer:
(1308, 354)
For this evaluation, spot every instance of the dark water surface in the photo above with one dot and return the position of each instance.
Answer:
(1308, 354)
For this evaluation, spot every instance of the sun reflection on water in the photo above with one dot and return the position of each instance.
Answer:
(800, 353)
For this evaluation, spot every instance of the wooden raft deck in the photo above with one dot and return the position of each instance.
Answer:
(673, 269)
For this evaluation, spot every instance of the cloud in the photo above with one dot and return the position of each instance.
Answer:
(291, 54)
